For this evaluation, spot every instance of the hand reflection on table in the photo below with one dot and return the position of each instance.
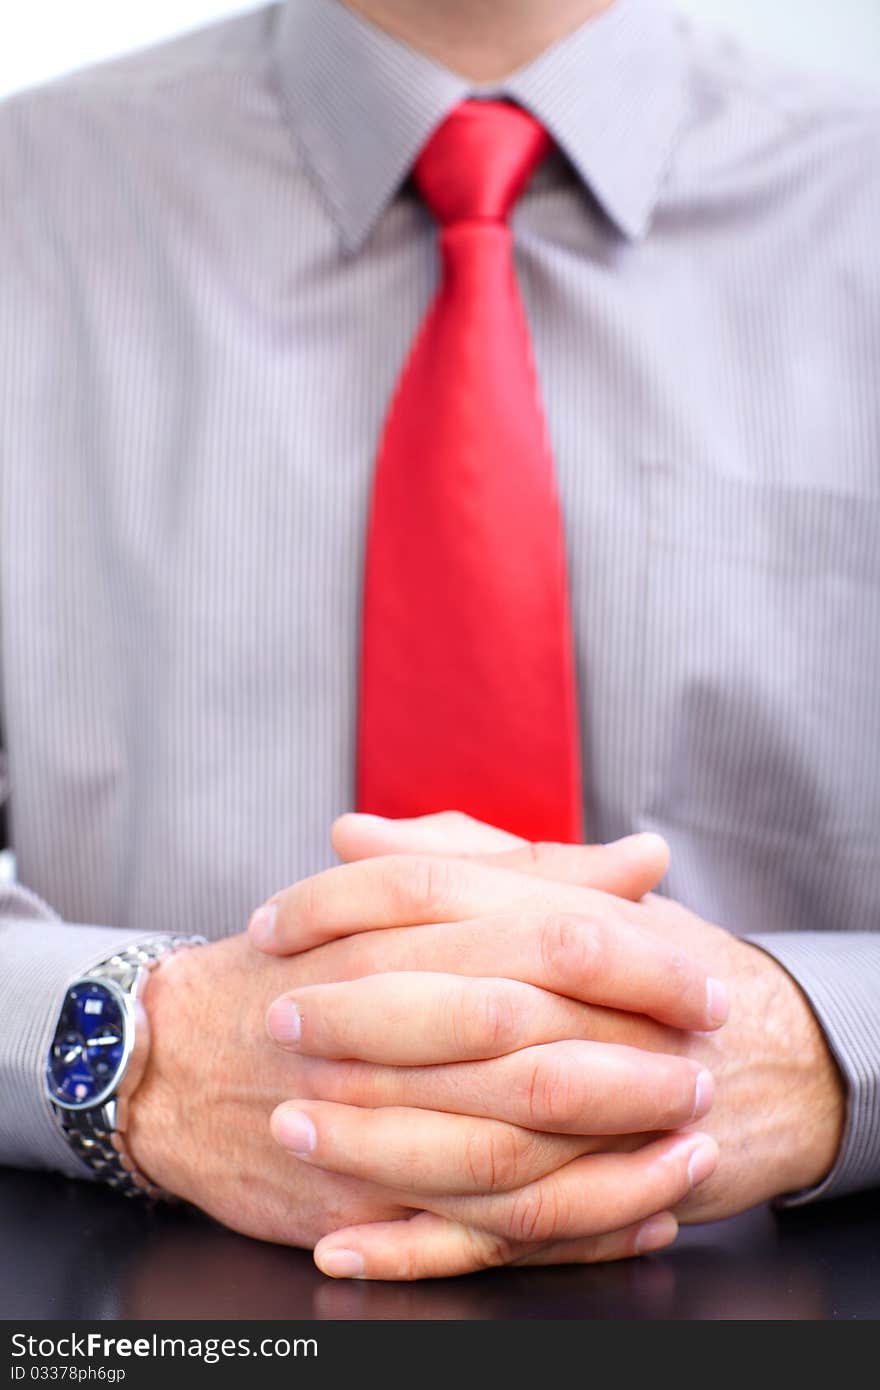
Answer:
(76, 1251)
(194, 1268)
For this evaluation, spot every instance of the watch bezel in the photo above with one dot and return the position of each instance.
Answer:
(134, 1048)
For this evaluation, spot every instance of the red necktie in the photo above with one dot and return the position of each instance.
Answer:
(468, 697)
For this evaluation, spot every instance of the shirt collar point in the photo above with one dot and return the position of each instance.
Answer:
(354, 235)
(633, 223)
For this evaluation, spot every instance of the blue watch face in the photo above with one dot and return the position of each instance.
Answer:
(88, 1046)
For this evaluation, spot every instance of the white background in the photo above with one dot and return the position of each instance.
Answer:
(41, 38)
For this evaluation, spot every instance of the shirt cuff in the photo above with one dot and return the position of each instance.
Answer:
(39, 956)
(839, 972)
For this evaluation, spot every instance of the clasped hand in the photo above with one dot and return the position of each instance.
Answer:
(484, 1052)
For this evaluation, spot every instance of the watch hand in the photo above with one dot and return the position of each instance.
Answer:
(107, 1041)
(72, 1054)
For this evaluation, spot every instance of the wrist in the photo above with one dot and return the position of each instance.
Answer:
(206, 1012)
(819, 1092)
(157, 1128)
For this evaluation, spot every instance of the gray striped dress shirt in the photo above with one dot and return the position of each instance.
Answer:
(211, 269)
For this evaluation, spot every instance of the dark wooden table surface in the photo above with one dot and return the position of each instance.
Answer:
(73, 1251)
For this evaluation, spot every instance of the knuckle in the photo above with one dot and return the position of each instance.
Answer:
(493, 1161)
(550, 1090)
(485, 1017)
(536, 1213)
(487, 1249)
(410, 1264)
(541, 855)
(557, 940)
(422, 884)
(573, 944)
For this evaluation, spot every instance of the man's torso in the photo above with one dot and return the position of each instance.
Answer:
(194, 377)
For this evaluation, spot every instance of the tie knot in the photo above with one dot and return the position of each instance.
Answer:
(477, 163)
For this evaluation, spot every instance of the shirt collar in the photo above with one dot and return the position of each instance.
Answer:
(612, 95)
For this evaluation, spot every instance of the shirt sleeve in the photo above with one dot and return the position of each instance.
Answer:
(839, 972)
(39, 956)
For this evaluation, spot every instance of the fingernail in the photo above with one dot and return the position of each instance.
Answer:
(717, 1001)
(654, 1234)
(702, 1162)
(703, 1093)
(340, 1264)
(284, 1022)
(644, 842)
(261, 927)
(295, 1131)
(650, 840)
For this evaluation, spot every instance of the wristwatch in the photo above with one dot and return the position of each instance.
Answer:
(98, 1056)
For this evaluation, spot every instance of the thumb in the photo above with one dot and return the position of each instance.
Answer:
(427, 1246)
(359, 836)
(628, 868)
